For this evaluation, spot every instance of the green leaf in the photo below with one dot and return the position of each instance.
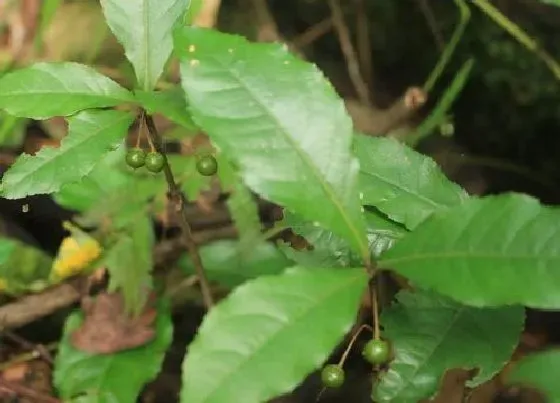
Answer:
(226, 262)
(110, 378)
(144, 28)
(91, 135)
(104, 180)
(405, 185)
(551, 2)
(130, 262)
(330, 250)
(498, 250)
(244, 213)
(437, 116)
(269, 333)
(127, 202)
(23, 268)
(540, 371)
(431, 334)
(12, 130)
(170, 103)
(278, 119)
(44, 90)
(194, 8)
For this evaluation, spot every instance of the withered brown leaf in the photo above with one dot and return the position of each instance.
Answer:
(107, 328)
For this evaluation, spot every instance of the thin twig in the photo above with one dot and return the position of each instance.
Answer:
(347, 48)
(432, 23)
(363, 42)
(464, 16)
(374, 309)
(30, 355)
(178, 198)
(313, 33)
(20, 390)
(519, 34)
(351, 343)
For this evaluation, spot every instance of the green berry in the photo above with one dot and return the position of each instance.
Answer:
(135, 157)
(154, 162)
(377, 351)
(207, 165)
(332, 376)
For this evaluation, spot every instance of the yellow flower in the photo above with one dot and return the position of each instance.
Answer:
(73, 256)
(3, 284)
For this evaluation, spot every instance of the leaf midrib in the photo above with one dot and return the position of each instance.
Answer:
(146, 47)
(404, 189)
(85, 139)
(464, 256)
(458, 313)
(326, 186)
(125, 96)
(296, 320)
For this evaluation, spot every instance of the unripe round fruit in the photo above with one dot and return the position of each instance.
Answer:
(332, 376)
(207, 165)
(135, 157)
(376, 351)
(154, 162)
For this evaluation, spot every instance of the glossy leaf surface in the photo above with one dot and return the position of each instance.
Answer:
(44, 90)
(280, 121)
(330, 250)
(144, 28)
(91, 135)
(405, 185)
(241, 351)
(431, 334)
(498, 250)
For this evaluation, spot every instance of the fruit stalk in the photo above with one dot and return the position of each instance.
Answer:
(176, 197)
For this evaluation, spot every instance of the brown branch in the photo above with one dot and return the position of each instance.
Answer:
(349, 52)
(313, 33)
(32, 307)
(208, 14)
(380, 122)
(363, 42)
(177, 198)
(20, 390)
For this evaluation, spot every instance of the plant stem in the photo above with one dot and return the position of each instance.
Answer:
(374, 309)
(351, 343)
(520, 35)
(464, 16)
(177, 197)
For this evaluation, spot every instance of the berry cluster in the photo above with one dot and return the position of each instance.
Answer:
(136, 158)
(376, 352)
(154, 161)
